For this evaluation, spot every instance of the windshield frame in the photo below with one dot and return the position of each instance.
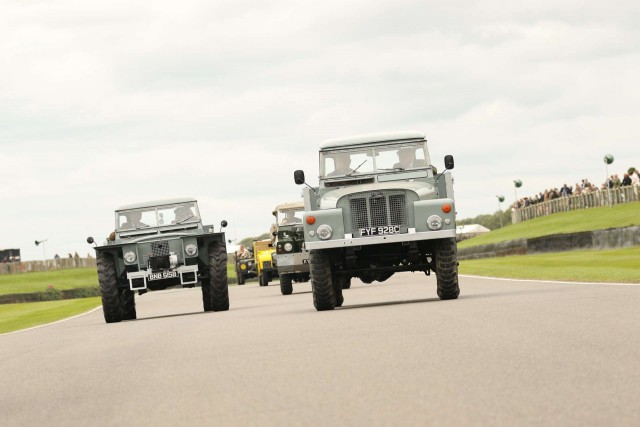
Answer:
(372, 153)
(153, 217)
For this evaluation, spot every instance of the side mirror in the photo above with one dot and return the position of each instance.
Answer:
(90, 240)
(223, 224)
(448, 161)
(274, 234)
(298, 177)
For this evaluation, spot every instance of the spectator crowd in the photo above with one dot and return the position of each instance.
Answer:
(632, 177)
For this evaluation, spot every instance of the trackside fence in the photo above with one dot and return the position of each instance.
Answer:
(50, 264)
(614, 196)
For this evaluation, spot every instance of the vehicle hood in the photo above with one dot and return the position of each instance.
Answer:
(330, 199)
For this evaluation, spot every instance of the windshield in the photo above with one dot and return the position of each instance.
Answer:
(290, 217)
(396, 157)
(157, 216)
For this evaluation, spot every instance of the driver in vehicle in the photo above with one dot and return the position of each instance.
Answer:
(343, 165)
(290, 218)
(182, 213)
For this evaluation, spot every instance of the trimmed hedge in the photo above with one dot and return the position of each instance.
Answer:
(51, 294)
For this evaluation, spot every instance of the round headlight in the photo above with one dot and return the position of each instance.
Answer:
(191, 249)
(130, 256)
(434, 222)
(288, 247)
(324, 232)
(243, 266)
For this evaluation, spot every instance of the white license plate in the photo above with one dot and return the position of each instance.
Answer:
(163, 275)
(377, 231)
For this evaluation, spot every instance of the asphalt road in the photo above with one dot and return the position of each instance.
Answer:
(505, 353)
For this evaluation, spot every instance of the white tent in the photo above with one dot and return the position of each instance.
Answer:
(471, 230)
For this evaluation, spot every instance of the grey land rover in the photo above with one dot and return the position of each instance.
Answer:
(157, 245)
(380, 208)
(291, 255)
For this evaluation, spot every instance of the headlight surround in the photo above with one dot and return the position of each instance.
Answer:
(324, 232)
(130, 256)
(191, 249)
(288, 247)
(434, 222)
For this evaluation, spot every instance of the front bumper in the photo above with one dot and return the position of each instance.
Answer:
(293, 263)
(411, 236)
(188, 274)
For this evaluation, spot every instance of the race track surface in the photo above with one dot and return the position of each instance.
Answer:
(505, 353)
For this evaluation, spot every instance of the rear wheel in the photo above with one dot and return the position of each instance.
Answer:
(108, 282)
(128, 304)
(263, 280)
(321, 283)
(215, 293)
(286, 286)
(340, 283)
(447, 269)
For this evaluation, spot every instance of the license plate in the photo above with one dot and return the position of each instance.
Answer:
(377, 231)
(163, 275)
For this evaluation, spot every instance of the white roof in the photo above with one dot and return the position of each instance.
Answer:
(471, 229)
(371, 137)
(156, 203)
(290, 206)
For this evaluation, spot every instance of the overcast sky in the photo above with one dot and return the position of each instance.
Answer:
(104, 103)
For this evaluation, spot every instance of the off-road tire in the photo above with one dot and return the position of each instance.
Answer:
(286, 284)
(217, 286)
(345, 283)
(128, 304)
(241, 279)
(321, 280)
(447, 269)
(108, 281)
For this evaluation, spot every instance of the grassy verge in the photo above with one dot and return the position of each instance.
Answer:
(616, 266)
(39, 281)
(561, 223)
(14, 317)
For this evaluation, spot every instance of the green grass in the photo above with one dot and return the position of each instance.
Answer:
(23, 283)
(561, 223)
(14, 317)
(614, 266)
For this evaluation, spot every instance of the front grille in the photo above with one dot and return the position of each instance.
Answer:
(159, 262)
(377, 209)
(160, 248)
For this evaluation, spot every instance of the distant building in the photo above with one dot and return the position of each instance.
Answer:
(9, 255)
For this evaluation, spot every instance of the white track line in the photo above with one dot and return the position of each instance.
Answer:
(52, 323)
(550, 281)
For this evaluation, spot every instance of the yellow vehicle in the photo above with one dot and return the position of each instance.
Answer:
(266, 268)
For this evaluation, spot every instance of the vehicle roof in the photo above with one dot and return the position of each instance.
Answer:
(156, 203)
(371, 137)
(289, 206)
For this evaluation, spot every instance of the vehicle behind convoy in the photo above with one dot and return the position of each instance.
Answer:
(245, 268)
(292, 257)
(264, 266)
(157, 245)
(380, 208)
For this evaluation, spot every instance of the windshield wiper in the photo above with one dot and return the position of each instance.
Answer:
(183, 220)
(391, 169)
(354, 171)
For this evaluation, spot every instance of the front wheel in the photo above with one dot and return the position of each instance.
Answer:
(286, 286)
(321, 283)
(215, 291)
(447, 269)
